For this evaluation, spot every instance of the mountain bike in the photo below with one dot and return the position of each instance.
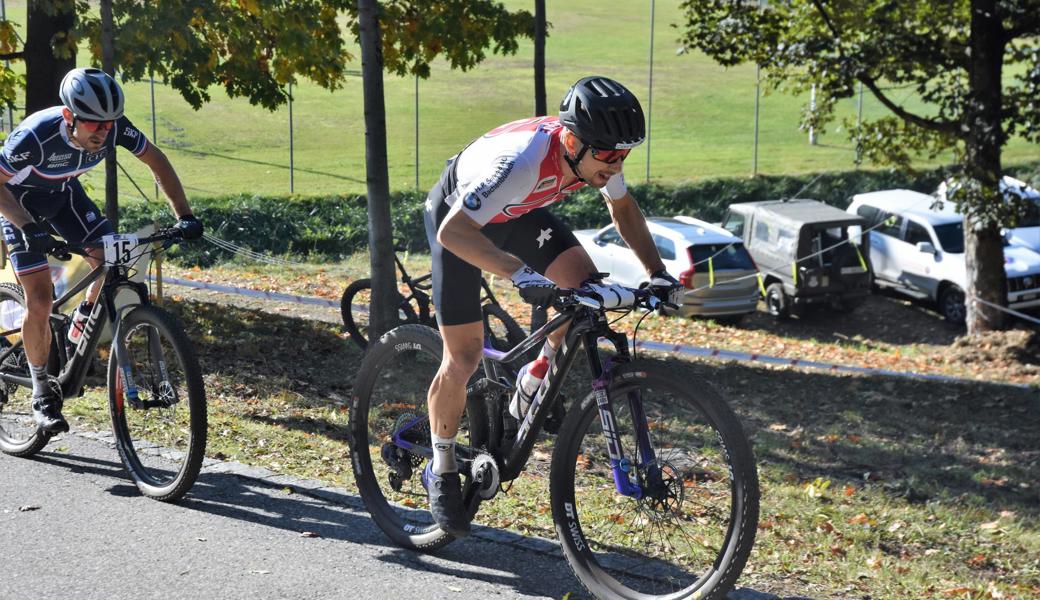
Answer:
(653, 484)
(416, 307)
(156, 397)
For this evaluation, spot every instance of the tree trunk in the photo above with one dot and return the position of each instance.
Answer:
(984, 250)
(540, 108)
(108, 65)
(44, 70)
(539, 316)
(380, 230)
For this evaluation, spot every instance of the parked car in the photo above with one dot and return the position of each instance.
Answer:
(917, 249)
(716, 269)
(1027, 230)
(800, 248)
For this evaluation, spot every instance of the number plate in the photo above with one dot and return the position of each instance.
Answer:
(118, 248)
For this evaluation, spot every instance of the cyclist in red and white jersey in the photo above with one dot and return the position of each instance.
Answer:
(488, 213)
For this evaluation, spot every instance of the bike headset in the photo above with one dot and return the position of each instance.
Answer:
(91, 95)
(602, 114)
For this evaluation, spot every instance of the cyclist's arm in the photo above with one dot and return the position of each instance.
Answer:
(462, 236)
(167, 179)
(506, 180)
(10, 208)
(631, 224)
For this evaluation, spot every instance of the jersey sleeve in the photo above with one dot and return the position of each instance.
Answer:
(615, 188)
(21, 149)
(506, 182)
(130, 137)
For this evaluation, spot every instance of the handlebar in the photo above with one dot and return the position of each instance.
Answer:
(168, 236)
(571, 298)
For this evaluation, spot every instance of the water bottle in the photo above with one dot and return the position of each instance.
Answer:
(530, 380)
(79, 319)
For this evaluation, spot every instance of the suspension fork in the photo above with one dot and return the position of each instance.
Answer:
(620, 466)
(123, 363)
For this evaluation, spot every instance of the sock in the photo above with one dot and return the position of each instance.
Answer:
(39, 379)
(547, 351)
(443, 455)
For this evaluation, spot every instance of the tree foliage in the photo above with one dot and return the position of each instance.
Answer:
(254, 48)
(896, 49)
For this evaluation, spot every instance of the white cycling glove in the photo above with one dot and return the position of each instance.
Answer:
(534, 287)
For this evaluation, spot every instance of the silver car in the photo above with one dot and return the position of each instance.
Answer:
(719, 274)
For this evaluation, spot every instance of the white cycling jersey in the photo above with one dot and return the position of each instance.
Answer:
(510, 171)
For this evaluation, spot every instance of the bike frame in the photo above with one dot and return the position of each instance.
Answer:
(72, 370)
(586, 327)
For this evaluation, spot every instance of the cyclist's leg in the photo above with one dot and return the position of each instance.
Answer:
(456, 297)
(34, 275)
(79, 220)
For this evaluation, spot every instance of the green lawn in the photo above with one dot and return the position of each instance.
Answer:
(702, 118)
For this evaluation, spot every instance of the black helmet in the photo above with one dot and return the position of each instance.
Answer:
(91, 94)
(603, 114)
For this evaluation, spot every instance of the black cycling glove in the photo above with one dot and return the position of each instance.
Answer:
(38, 240)
(534, 287)
(667, 288)
(190, 227)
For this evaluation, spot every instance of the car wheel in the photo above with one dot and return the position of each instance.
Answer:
(951, 304)
(777, 302)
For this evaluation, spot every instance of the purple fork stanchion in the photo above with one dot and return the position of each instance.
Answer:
(619, 466)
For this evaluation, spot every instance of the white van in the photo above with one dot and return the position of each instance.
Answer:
(919, 251)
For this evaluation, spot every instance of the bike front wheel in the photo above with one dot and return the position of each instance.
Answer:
(160, 435)
(19, 434)
(688, 532)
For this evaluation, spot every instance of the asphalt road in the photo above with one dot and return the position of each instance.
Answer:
(74, 527)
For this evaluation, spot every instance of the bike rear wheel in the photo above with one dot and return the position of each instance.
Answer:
(390, 398)
(354, 307)
(690, 534)
(19, 434)
(162, 438)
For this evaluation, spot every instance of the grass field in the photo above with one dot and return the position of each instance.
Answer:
(702, 114)
(872, 487)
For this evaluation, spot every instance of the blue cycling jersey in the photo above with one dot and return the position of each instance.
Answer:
(39, 154)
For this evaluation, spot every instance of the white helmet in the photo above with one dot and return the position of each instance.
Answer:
(91, 94)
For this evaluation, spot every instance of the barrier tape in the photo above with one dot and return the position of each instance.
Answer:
(639, 344)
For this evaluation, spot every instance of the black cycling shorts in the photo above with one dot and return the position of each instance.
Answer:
(69, 212)
(536, 238)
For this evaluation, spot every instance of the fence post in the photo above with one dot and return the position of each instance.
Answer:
(812, 111)
(7, 64)
(650, 98)
(859, 121)
(292, 151)
(758, 95)
(155, 136)
(416, 132)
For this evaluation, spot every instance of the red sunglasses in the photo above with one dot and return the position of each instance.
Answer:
(93, 126)
(609, 156)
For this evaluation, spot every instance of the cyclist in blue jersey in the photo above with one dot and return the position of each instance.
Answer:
(488, 213)
(39, 166)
